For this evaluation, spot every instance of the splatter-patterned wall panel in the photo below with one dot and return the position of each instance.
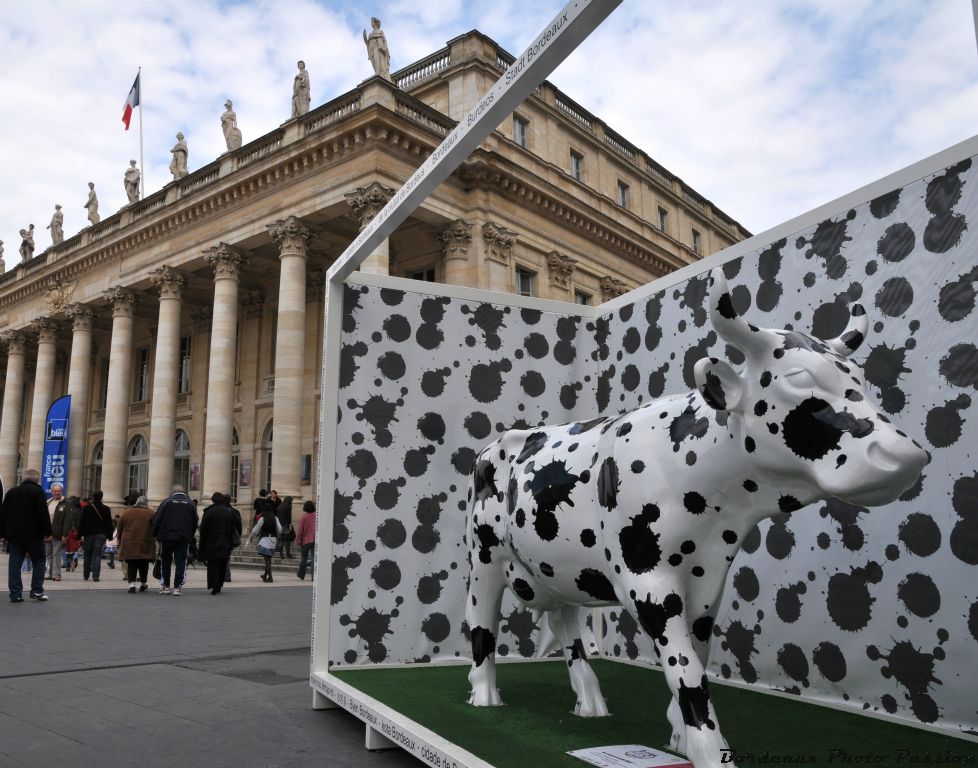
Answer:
(425, 382)
(877, 608)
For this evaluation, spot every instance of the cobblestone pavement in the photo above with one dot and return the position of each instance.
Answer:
(98, 677)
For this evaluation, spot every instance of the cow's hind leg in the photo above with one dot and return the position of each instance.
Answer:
(486, 585)
(677, 742)
(565, 622)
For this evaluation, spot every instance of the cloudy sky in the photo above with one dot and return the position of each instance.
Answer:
(768, 108)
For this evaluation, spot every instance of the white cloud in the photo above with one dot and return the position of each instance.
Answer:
(768, 109)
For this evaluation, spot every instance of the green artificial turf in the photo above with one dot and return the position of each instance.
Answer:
(535, 728)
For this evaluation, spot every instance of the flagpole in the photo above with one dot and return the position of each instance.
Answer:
(142, 164)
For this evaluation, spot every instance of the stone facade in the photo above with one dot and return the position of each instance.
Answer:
(188, 326)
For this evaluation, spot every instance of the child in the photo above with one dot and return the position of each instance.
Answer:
(72, 545)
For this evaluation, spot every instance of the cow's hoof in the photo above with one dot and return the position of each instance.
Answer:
(591, 708)
(485, 697)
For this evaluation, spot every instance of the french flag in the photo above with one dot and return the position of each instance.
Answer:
(131, 102)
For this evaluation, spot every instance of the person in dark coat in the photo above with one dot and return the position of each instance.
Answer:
(174, 526)
(26, 525)
(136, 545)
(218, 529)
(284, 515)
(95, 528)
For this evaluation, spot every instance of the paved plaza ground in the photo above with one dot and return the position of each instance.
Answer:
(98, 677)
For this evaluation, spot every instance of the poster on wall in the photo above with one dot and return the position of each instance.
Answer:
(195, 477)
(244, 474)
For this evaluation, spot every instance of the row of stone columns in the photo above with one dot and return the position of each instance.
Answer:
(292, 238)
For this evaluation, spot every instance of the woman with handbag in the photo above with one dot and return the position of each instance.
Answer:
(137, 547)
(268, 530)
(284, 515)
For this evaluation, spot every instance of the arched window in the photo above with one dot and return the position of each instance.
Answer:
(181, 459)
(138, 466)
(93, 475)
(234, 464)
(266, 456)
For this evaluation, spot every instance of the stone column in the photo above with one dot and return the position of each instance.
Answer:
(226, 262)
(455, 240)
(115, 439)
(166, 370)
(13, 402)
(366, 202)
(79, 387)
(292, 238)
(47, 331)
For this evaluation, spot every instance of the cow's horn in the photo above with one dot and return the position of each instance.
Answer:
(731, 326)
(853, 335)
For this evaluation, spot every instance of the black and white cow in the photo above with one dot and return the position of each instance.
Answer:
(609, 511)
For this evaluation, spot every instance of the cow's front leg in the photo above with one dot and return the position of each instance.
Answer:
(566, 625)
(677, 741)
(486, 585)
(662, 615)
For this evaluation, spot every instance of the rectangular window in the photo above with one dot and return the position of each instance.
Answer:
(622, 194)
(696, 242)
(582, 298)
(577, 165)
(103, 384)
(663, 219)
(184, 365)
(524, 282)
(428, 275)
(520, 126)
(141, 389)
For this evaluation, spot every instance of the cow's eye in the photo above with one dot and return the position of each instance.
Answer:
(800, 378)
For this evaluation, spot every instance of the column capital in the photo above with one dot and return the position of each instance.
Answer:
(315, 285)
(612, 287)
(455, 239)
(81, 317)
(499, 242)
(168, 281)
(253, 303)
(15, 341)
(291, 236)
(366, 202)
(226, 261)
(562, 267)
(46, 329)
(123, 301)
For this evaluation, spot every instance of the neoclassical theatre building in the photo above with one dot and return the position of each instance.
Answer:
(188, 327)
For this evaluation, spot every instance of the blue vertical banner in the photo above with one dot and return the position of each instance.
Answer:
(54, 467)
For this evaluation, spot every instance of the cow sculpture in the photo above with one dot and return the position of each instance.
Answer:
(647, 509)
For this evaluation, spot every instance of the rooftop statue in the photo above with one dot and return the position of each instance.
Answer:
(300, 91)
(27, 243)
(377, 51)
(178, 165)
(3, 264)
(57, 226)
(92, 204)
(131, 182)
(229, 124)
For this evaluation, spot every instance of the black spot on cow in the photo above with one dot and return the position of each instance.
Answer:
(945, 228)
(894, 297)
(487, 539)
(653, 615)
(896, 243)
(750, 486)
(478, 425)
(884, 205)
(957, 298)
(546, 569)
(608, 484)
(787, 602)
(551, 486)
(914, 670)
(565, 349)
(433, 382)
(533, 444)
(586, 426)
(486, 380)
(944, 422)
(746, 583)
(919, 594)
(829, 661)
(392, 533)
(788, 503)
(594, 583)
(960, 365)
(523, 590)
(694, 703)
(826, 244)
(814, 428)
(694, 502)
(702, 628)
(920, 534)
(588, 538)
(483, 644)
(638, 467)
(484, 481)
(687, 425)
(341, 578)
(429, 587)
(639, 543)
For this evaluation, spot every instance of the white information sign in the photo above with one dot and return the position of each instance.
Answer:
(630, 756)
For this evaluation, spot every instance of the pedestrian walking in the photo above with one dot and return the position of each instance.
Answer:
(267, 529)
(174, 526)
(137, 548)
(219, 528)
(112, 545)
(305, 537)
(72, 547)
(59, 508)
(95, 529)
(284, 515)
(236, 542)
(26, 526)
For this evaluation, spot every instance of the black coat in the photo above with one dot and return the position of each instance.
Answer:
(217, 529)
(96, 519)
(24, 517)
(176, 519)
(284, 514)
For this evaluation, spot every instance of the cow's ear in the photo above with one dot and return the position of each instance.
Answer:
(719, 383)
